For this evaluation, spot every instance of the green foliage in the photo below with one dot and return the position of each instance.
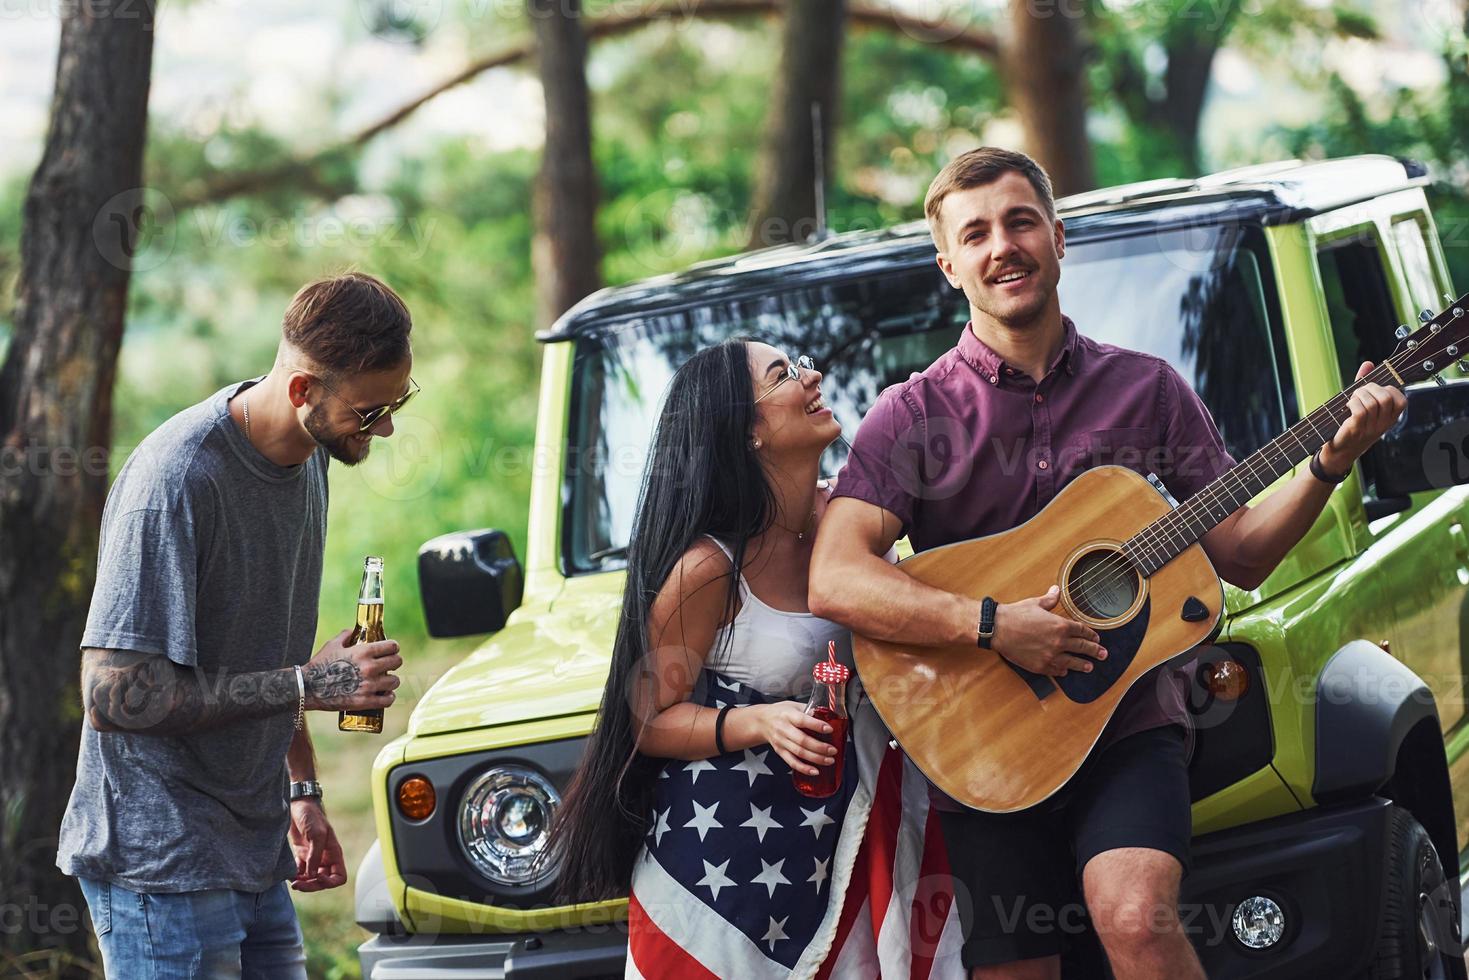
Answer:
(678, 117)
(1427, 126)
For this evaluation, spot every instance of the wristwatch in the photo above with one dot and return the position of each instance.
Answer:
(985, 632)
(305, 789)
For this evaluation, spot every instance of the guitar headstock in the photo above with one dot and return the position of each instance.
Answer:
(1439, 342)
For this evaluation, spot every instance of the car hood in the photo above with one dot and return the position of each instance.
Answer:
(546, 663)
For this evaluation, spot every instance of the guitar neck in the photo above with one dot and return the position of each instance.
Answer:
(1163, 540)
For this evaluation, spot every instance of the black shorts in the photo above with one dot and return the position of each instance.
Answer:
(1017, 876)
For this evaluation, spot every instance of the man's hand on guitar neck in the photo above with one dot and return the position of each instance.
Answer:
(1030, 635)
(1375, 409)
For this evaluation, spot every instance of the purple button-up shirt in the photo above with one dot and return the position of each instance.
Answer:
(973, 446)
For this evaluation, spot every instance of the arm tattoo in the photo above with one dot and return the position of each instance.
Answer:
(146, 693)
(336, 679)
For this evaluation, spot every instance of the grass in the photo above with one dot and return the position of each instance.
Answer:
(344, 767)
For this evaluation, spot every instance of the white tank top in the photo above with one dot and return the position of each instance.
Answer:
(772, 650)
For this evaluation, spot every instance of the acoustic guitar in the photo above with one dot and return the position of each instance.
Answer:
(1000, 738)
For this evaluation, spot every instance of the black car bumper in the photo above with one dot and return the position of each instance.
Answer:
(1324, 867)
(546, 956)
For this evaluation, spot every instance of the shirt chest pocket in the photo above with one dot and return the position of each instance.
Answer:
(1134, 448)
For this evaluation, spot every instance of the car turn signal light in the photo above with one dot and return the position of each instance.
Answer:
(1227, 679)
(416, 798)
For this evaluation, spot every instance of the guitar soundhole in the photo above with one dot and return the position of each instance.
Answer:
(1103, 584)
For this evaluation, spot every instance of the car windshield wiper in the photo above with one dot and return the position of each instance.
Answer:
(614, 552)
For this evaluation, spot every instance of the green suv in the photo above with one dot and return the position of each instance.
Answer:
(1331, 774)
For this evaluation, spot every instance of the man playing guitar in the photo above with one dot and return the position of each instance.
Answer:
(1019, 389)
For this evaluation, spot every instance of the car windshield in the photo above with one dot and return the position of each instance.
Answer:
(1201, 298)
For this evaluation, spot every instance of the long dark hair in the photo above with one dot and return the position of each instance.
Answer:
(702, 477)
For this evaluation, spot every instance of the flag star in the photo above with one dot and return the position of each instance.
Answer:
(661, 826)
(698, 766)
(817, 820)
(820, 874)
(715, 878)
(727, 685)
(718, 703)
(704, 820)
(754, 765)
(761, 820)
(770, 876)
(775, 932)
(664, 773)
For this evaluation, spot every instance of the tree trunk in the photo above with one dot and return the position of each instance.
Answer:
(1045, 67)
(565, 255)
(810, 75)
(82, 218)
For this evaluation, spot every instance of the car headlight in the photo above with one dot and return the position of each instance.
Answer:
(504, 821)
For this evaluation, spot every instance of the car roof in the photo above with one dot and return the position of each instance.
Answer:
(1264, 194)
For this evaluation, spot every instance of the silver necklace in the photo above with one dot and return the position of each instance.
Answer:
(245, 407)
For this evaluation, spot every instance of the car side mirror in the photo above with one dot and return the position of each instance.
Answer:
(1428, 449)
(470, 582)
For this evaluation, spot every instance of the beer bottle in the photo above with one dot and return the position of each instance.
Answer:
(369, 629)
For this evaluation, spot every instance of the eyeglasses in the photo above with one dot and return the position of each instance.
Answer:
(793, 373)
(369, 419)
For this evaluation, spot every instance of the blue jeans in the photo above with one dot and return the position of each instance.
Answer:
(196, 935)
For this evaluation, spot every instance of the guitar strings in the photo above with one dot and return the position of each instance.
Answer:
(1154, 534)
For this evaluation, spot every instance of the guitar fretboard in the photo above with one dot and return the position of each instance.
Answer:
(1163, 540)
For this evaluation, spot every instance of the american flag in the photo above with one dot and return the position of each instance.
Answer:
(739, 870)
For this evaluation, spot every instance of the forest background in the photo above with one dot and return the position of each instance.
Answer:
(494, 160)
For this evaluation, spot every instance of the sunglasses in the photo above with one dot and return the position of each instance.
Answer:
(792, 373)
(376, 415)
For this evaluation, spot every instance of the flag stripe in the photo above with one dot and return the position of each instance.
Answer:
(652, 954)
(933, 900)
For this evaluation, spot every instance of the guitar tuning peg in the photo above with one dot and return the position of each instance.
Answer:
(1425, 315)
(1463, 366)
(1438, 380)
(1402, 331)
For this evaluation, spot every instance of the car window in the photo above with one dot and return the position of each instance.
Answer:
(1358, 301)
(1201, 298)
(1359, 305)
(1412, 249)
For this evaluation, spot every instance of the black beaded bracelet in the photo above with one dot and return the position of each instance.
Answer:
(719, 729)
(1319, 472)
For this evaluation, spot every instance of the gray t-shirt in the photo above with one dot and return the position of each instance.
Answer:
(211, 556)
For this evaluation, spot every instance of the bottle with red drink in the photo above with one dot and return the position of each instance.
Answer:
(829, 703)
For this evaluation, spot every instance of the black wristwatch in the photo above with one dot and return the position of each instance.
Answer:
(986, 632)
(1319, 471)
(306, 789)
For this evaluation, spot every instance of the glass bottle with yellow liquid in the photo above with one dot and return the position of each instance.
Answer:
(369, 629)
